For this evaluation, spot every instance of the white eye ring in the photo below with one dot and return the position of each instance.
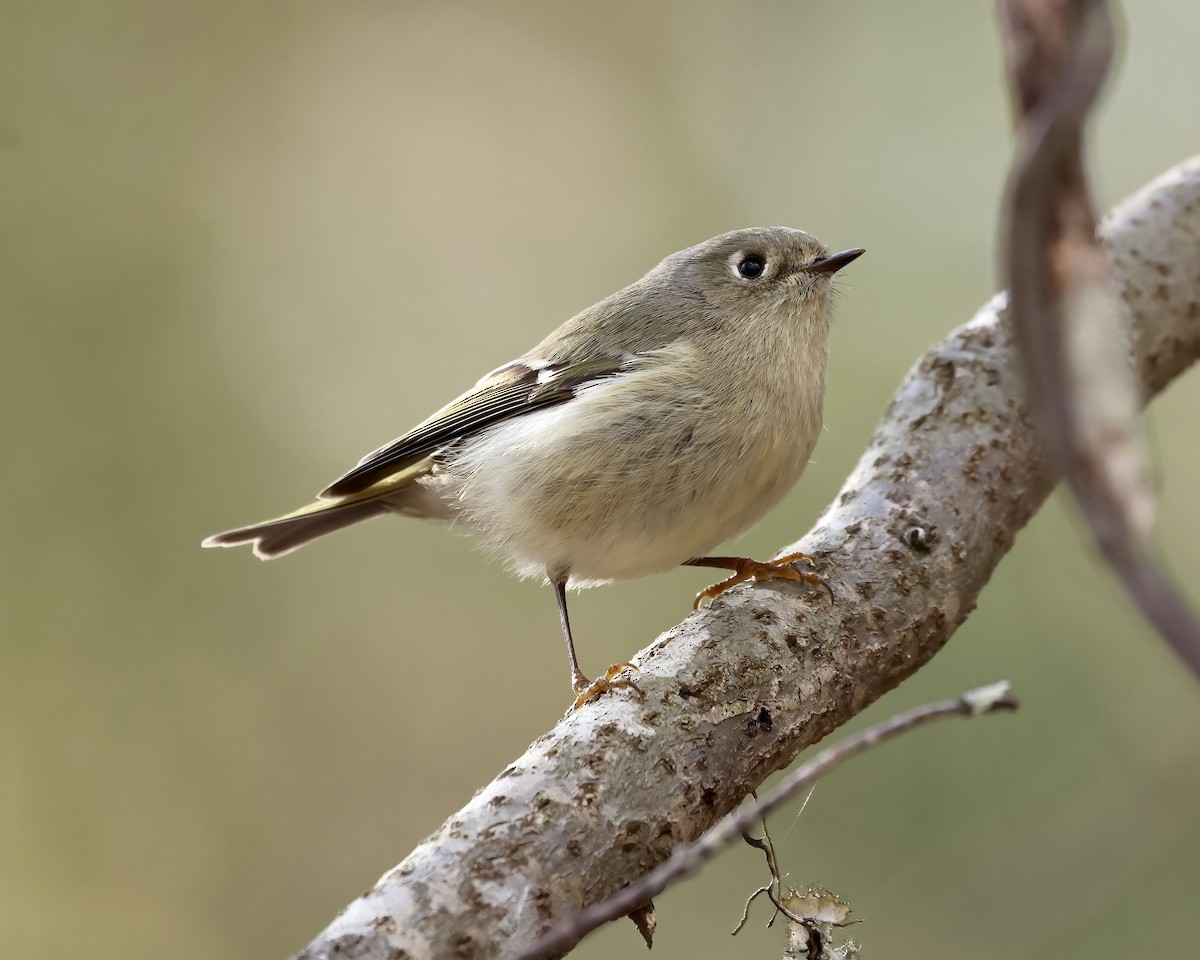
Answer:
(748, 266)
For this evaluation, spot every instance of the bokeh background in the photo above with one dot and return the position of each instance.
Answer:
(243, 243)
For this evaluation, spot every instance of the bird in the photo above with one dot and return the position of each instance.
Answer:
(643, 432)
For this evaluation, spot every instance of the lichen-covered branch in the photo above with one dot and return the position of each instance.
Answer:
(737, 690)
(689, 858)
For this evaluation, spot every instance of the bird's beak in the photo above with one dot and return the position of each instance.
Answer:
(834, 263)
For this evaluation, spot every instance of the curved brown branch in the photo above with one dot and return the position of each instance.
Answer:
(737, 690)
(1086, 403)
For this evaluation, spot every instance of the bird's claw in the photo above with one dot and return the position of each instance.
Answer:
(779, 569)
(589, 690)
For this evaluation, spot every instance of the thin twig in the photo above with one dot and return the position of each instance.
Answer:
(774, 889)
(687, 860)
(746, 913)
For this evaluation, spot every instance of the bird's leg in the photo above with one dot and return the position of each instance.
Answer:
(578, 680)
(584, 688)
(746, 569)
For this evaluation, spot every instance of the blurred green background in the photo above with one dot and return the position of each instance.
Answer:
(243, 243)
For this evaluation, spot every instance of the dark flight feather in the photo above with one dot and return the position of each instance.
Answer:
(510, 392)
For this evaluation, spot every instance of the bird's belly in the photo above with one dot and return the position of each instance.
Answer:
(624, 499)
(635, 539)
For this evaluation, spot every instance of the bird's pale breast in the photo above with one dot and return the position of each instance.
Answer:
(636, 474)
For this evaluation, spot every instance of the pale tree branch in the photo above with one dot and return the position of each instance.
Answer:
(686, 860)
(737, 690)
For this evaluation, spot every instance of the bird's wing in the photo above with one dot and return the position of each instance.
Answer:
(511, 391)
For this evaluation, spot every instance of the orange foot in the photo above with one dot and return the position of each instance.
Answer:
(591, 690)
(745, 569)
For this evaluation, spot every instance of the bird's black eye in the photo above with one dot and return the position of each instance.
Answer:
(751, 266)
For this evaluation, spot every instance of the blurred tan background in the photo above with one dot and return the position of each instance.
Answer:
(244, 243)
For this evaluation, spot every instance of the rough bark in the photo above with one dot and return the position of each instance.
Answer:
(737, 690)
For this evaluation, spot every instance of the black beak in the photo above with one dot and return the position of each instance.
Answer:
(834, 263)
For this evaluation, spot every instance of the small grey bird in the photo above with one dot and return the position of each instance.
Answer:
(640, 434)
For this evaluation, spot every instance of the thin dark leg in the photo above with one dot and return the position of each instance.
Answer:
(578, 680)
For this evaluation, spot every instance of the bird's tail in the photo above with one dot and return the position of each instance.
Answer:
(274, 538)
